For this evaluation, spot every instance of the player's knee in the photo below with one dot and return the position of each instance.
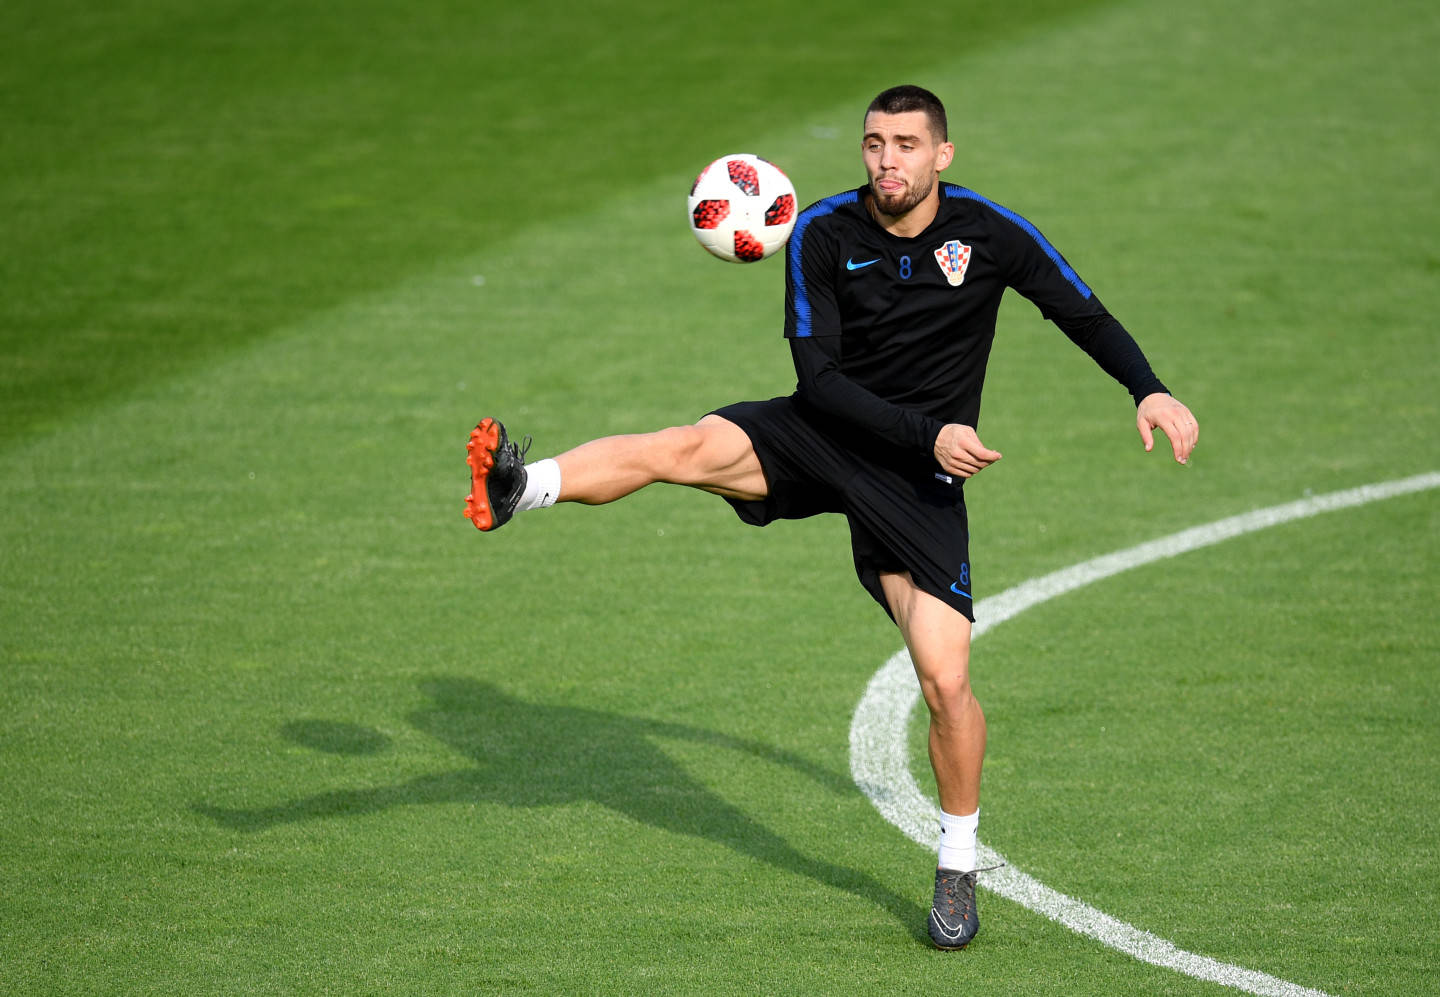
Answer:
(947, 693)
(679, 452)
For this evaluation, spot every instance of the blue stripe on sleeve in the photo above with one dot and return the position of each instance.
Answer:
(797, 238)
(1066, 271)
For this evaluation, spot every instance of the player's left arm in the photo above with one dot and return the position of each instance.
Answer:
(1041, 274)
(1115, 350)
(1117, 353)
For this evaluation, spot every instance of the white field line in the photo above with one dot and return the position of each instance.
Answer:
(879, 757)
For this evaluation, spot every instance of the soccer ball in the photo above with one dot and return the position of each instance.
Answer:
(742, 208)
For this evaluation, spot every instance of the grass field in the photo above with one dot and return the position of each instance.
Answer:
(275, 718)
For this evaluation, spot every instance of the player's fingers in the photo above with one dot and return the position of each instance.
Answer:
(965, 464)
(979, 451)
(1177, 443)
(1186, 435)
(978, 458)
(1146, 436)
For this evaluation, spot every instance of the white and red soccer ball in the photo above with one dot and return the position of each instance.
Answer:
(742, 208)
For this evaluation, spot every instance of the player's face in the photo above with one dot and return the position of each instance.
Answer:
(903, 159)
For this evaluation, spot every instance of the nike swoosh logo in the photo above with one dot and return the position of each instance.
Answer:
(850, 264)
(958, 590)
(945, 929)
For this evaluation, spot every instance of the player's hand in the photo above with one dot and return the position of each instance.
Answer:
(959, 451)
(1160, 411)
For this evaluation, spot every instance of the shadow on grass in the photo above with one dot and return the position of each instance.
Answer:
(531, 755)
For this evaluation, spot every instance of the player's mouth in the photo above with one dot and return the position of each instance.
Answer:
(889, 185)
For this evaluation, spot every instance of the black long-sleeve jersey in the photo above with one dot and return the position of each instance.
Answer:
(892, 335)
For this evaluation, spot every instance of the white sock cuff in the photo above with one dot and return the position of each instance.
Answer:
(959, 841)
(542, 485)
(968, 822)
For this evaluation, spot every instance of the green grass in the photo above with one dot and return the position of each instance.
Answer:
(274, 718)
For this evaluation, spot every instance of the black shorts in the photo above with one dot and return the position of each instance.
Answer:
(902, 518)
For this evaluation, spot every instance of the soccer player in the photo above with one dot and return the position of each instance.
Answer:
(892, 291)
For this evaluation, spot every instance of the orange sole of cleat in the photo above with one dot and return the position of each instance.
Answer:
(480, 455)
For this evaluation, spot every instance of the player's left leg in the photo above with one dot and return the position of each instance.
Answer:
(938, 638)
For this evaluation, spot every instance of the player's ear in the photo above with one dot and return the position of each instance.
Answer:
(945, 156)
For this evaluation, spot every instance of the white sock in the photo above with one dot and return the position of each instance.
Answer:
(958, 842)
(542, 485)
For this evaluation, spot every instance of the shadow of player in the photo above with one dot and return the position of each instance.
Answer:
(533, 755)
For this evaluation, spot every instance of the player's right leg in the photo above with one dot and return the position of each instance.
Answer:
(714, 455)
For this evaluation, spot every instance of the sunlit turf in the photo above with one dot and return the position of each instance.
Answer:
(277, 719)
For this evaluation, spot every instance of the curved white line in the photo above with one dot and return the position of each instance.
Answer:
(879, 761)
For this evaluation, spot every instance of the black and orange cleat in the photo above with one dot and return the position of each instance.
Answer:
(497, 475)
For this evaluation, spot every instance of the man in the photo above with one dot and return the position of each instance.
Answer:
(892, 292)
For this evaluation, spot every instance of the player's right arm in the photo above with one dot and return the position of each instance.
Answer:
(956, 448)
(813, 325)
(820, 382)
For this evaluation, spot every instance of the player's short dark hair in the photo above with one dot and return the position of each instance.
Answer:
(901, 99)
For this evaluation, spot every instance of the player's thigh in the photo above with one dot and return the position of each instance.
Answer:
(936, 633)
(719, 457)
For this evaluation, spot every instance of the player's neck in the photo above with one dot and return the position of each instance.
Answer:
(912, 222)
